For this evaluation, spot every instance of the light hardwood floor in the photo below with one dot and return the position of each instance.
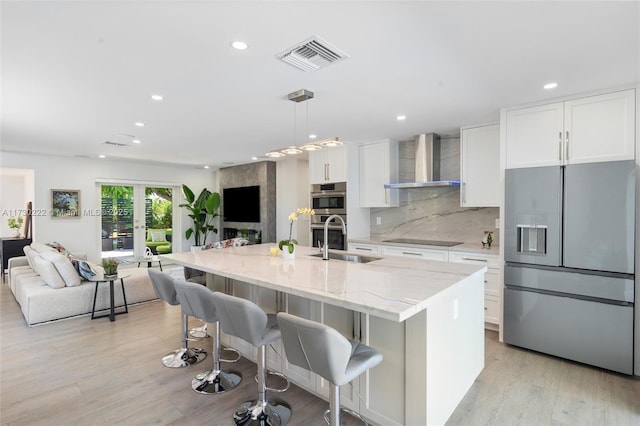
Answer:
(80, 371)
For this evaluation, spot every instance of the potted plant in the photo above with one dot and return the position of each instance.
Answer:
(202, 211)
(110, 266)
(287, 246)
(15, 225)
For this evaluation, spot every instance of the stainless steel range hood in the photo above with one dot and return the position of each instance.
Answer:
(427, 165)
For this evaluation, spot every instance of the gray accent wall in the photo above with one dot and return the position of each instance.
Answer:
(262, 173)
(433, 213)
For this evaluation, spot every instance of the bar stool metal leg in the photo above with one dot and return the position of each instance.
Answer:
(216, 381)
(261, 411)
(185, 356)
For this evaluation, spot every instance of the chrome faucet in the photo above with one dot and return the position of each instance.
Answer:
(325, 246)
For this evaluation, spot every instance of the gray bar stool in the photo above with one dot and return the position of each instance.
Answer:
(199, 277)
(197, 301)
(185, 356)
(244, 319)
(324, 351)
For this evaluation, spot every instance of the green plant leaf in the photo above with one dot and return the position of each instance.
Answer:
(188, 194)
(291, 247)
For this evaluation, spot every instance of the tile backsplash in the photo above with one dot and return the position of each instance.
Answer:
(434, 213)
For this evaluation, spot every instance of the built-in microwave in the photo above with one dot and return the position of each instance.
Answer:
(329, 198)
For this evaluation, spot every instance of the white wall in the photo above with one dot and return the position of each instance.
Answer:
(292, 192)
(16, 189)
(82, 234)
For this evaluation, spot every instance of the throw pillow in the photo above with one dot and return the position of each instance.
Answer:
(83, 268)
(48, 272)
(59, 248)
(158, 236)
(64, 267)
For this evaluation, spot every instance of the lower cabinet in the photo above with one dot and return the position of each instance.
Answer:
(491, 281)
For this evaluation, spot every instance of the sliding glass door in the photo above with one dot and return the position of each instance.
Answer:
(134, 218)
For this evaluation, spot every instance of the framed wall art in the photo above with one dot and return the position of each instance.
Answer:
(65, 203)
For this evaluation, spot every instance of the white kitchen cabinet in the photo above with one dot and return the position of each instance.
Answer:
(328, 165)
(584, 130)
(491, 281)
(480, 166)
(424, 253)
(364, 248)
(378, 165)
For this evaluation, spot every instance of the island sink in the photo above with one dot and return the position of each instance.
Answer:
(349, 257)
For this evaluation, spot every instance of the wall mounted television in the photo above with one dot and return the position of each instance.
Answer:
(241, 204)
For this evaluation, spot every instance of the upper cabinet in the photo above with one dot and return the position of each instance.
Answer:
(378, 165)
(328, 165)
(585, 130)
(480, 166)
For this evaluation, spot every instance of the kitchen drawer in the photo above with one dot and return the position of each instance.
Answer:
(491, 309)
(364, 248)
(491, 282)
(491, 260)
(442, 255)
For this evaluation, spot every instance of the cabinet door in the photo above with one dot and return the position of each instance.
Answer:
(600, 128)
(317, 166)
(364, 248)
(534, 136)
(441, 255)
(378, 165)
(480, 156)
(337, 164)
(328, 165)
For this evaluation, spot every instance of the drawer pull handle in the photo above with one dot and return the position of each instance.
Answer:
(412, 254)
(363, 248)
(474, 259)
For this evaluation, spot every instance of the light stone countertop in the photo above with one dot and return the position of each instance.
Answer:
(394, 288)
(465, 247)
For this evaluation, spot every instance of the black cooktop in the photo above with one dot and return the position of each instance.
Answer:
(423, 242)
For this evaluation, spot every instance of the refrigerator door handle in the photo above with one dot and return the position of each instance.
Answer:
(566, 146)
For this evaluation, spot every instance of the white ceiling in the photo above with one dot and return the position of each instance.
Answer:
(75, 74)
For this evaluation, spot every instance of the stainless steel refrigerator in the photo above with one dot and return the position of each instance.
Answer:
(569, 253)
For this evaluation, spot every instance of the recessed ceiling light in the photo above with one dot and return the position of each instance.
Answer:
(102, 156)
(239, 45)
(550, 86)
(254, 158)
(312, 136)
(139, 124)
(274, 154)
(401, 117)
(136, 141)
(157, 97)
(206, 167)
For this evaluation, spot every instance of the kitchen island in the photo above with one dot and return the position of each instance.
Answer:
(425, 317)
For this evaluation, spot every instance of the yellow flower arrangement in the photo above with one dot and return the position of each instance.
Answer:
(292, 218)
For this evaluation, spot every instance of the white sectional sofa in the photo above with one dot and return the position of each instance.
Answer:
(41, 303)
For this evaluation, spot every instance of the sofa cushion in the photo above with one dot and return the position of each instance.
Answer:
(39, 247)
(158, 236)
(64, 267)
(30, 254)
(48, 272)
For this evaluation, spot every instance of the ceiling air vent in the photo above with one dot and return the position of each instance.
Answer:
(312, 54)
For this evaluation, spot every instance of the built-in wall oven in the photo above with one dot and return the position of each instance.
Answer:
(328, 199)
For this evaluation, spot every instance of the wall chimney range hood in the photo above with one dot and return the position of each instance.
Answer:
(427, 165)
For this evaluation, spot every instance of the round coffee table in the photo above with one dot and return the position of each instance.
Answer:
(99, 278)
